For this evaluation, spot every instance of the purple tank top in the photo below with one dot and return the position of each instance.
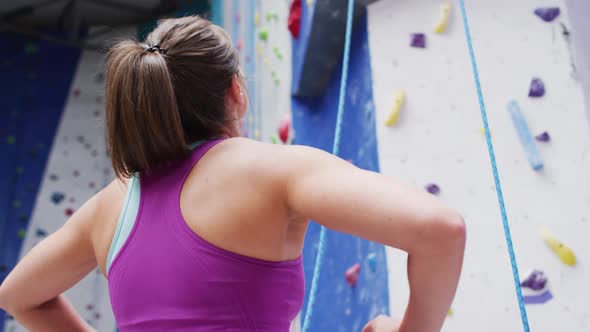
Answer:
(167, 278)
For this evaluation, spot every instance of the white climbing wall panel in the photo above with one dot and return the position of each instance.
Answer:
(438, 139)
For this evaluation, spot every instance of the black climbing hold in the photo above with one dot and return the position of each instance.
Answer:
(41, 232)
(53, 177)
(23, 218)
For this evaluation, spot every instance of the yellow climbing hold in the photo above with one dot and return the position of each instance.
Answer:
(309, 3)
(256, 134)
(443, 20)
(398, 100)
(565, 254)
(256, 18)
(260, 49)
(450, 312)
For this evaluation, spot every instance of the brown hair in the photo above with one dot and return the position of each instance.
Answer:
(166, 93)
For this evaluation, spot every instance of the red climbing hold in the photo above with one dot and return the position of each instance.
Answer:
(295, 18)
(69, 211)
(352, 274)
(77, 92)
(284, 129)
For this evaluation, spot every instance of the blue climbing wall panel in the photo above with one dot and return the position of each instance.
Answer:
(36, 78)
(338, 307)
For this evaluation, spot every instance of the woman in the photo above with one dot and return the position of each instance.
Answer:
(203, 230)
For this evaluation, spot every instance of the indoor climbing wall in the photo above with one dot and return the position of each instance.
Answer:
(423, 85)
(36, 80)
(76, 169)
(259, 31)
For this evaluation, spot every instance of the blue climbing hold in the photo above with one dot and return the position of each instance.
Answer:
(372, 261)
(57, 197)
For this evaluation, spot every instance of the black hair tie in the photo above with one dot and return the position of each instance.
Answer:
(155, 48)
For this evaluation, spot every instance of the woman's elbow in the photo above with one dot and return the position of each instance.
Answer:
(3, 298)
(448, 232)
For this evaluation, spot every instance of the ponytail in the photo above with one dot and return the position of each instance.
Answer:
(143, 122)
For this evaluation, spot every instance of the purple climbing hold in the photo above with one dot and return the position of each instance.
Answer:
(41, 232)
(418, 40)
(537, 88)
(433, 189)
(538, 298)
(57, 197)
(91, 185)
(547, 14)
(535, 281)
(76, 173)
(543, 137)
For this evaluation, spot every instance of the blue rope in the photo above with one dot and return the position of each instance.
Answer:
(335, 149)
(484, 118)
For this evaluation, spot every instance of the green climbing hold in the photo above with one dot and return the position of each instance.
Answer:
(21, 233)
(269, 16)
(17, 204)
(263, 34)
(20, 170)
(277, 82)
(10, 139)
(273, 139)
(277, 52)
(31, 48)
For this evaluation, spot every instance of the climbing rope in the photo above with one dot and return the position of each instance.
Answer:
(484, 118)
(335, 149)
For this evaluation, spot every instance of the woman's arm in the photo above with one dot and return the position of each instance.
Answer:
(347, 199)
(32, 291)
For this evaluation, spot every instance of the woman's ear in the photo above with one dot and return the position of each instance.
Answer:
(237, 91)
